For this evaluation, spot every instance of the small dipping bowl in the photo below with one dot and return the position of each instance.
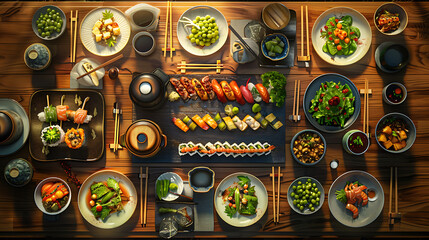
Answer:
(201, 179)
(391, 57)
(372, 194)
(278, 56)
(144, 43)
(389, 93)
(355, 150)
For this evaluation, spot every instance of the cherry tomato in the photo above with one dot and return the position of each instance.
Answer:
(337, 41)
(237, 92)
(230, 198)
(398, 91)
(59, 194)
(234, 206)
(341, 37)
(94, 196)
(218, 90)
(346, 40)
(339, 47)
(344, 33)
(53, 198)
(263, 92)
(230, 204)
(245, 186)
(99, 208)
(339, 25)
(92, 203)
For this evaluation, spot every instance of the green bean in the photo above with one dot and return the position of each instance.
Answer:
(305, 195)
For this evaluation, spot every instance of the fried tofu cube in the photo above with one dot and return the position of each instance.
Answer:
(98, 37)
(397, 146)
(98, 24)
(382, 138)
(106, 35)
(403, 143)
(402, 135)
(116, 31)
(387, 130)
(95, 30)
(108, 22)
(109, 28)
(387, 144)
(395, 140)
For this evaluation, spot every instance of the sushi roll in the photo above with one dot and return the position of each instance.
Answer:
(52, 136)
(182, 149)
(228, 149)
(74, 138)
(274, 122)
(188, 121)
(211, 149)
(244, 149)
(210, 121)
(253, 124)
(192, 148)
(219, 148)
(201, 149)
(252, 150)
(259, 147)
(235, 150)
(261, 119)
(229, 123)
(220, 123)
(267, 146)
(239, 124)
(200, 122)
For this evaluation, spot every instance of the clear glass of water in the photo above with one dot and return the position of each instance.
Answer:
(168, 228)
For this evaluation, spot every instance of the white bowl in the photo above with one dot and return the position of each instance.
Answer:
(192, 13)
(38, 195)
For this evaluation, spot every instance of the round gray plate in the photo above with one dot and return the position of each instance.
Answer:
(368, 213)
(310, 92)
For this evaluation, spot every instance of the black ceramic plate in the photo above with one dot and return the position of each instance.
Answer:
(310, 92)
(92, 149)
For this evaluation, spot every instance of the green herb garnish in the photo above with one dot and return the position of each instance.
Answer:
(107, 14)
(358, 141)
(111, 42)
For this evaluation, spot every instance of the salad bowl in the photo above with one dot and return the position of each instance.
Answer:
(359, 21)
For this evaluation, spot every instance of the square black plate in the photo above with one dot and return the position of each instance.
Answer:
(92, 149)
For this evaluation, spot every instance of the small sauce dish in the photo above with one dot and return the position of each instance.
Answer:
(201, 179)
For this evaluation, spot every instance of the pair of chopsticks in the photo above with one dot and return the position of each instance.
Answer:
(276, 210)
(169, 22)
(396, 214)
(297, 90)
(366, 109)
(117, 112)
(304, 58)
(143, 207)
(102, 65)
(73, 33)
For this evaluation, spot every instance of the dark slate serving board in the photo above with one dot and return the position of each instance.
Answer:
(175, 136)
(92, 149)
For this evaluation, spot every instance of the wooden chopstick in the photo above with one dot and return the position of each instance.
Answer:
(274, 194)
(297, 98)
(102, 65)
(390, 191)
(71, 36)
(367, 106)
(294, 100)
(141, 196)
(278, 196)
(75, 33)
(171, 30)
(396, 189)
(200, 64)
(145, 197)
(306, 20)
(364, 108)
(302, 32)
(166, 29)
(182, 67)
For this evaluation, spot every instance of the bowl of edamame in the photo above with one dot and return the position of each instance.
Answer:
(49, 22)
(305, 195)
(202, 30)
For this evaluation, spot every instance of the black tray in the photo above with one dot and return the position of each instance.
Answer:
(175, 136)
(92, 149)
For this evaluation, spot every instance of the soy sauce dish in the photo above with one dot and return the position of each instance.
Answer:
(394, 93)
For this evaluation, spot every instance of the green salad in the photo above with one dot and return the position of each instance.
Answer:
(241, 198)
(341, 37)
(333, 104)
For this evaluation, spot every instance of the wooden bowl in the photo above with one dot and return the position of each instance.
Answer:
(276, 16)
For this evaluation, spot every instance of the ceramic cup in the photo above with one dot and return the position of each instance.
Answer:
(37, 56)
(143, 17)
(354, 134)
(201, 179)
(144, 43)
(11, 127)
(241, 55)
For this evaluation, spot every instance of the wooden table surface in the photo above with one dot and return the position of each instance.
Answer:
(20, 216)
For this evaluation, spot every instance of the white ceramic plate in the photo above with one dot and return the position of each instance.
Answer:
(368, 213)
(241, 220)
(113, 220)
(174, 178)
(101, 48)
(192, 13)
(86, 81)
(359, 21)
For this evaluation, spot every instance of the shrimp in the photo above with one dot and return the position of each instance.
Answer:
(364, 198)
(353, 209)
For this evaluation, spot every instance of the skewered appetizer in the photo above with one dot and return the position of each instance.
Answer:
(106, 29)
(187, 83)
(180, 89)
(62, 113)
(74, 138)
(55, 195)
(225, 149)
(205, 81)
(52, 136)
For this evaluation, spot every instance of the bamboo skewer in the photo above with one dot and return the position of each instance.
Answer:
(62, 102)
(102, 65)
(278, 196)
(274, 194)
(83, 107)
(145, 197)
(166, 29)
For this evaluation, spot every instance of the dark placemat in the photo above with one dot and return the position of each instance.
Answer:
(92, 149)
(175, 136)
